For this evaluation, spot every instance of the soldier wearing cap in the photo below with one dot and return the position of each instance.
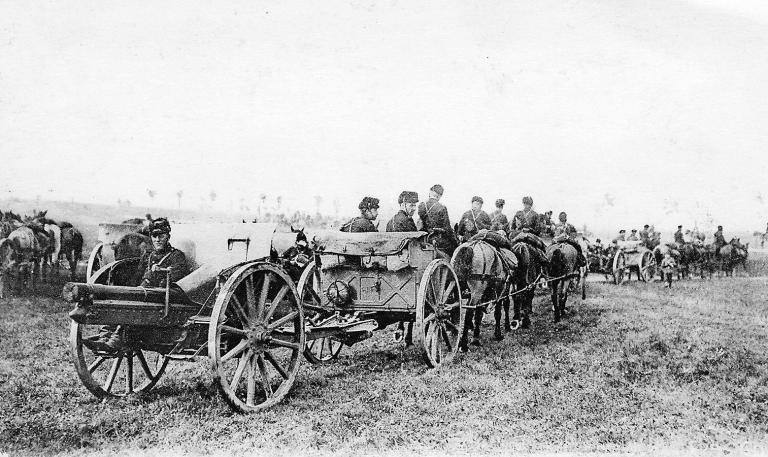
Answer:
(499, 220)
(633, 235)
(474, 220)
(164, 256)
(621, 237)
(434, 218)
(403, 220)
(565, 231)
(719, 240)
(526, 220)
(679, 237)
(369, 211)
(645, 236)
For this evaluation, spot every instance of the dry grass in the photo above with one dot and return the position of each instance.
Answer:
(638, 368)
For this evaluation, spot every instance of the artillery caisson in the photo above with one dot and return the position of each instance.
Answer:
(240, 308)
(360, 282)
(619, 261)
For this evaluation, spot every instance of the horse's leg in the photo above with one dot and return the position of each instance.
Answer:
(507, 326)
(465, 331)
(527, 305)
(555, 307)
(563, 298)
(409, 335)
(478, 319)
(497, 335)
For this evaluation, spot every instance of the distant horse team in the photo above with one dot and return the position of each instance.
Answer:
(32, 246)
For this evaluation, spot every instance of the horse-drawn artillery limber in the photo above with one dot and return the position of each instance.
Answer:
(242, 310)
(619, 260)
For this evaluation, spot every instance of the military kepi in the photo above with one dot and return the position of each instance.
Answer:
(477, 199)
(159, 225)
(438, 189)
(407, 196)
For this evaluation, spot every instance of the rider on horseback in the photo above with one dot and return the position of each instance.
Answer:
(525, 220)
(499, 220)
(474, 220)
(566, 233)
(719, 240)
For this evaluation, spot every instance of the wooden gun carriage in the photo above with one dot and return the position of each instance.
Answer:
(239, 308)
(619, 261)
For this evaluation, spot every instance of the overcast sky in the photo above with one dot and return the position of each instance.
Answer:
(618, 112)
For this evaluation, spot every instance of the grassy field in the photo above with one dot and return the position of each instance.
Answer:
(636, 368)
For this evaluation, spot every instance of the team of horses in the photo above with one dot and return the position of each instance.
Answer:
(31, 246)
(495, 270)
(705, 259)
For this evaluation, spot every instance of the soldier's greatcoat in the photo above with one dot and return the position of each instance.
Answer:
(359, 225)
(171, 258)
(526, 221)
(566, 229)
(434, 215)
(679, 237)
(401, 222)
(472, 222)
(499, 220)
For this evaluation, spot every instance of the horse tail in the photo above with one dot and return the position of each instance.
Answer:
(557, 263)
(462, 261)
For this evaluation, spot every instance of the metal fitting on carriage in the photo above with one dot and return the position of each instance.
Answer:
(514, 324)
(338, 293)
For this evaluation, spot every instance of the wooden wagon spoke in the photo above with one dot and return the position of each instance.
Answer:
(250, 298)
(241, 312)
(268, 355)
(144, 364)
(238, 375)
(264, 376)
(446, 339)
(251, 388)
(282, 343)
(96, 363)
(276, 302)
(450, 324)
(129, 375)
(236, 331)
(263, 296)
(240, 347)
(283, 320)
(429, 318)
(448, 291)
(112, 374)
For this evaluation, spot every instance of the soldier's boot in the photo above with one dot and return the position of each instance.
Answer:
(108, 340)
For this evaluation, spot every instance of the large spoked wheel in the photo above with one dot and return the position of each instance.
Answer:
(95, 261)
(125, 372)
(321, 350)
(619, 267)
(256, 337)
(439, 317)
(647, 266)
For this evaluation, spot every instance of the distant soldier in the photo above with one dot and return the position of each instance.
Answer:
(526, 220)
(369, 211)
(645, 236)
(633, 236)
(499, 220)
(621, 237)
(403, 220)
(474, 220)
(719, 240)
(679, 238)
(434, 218)
(564, 231)
(668, 267)
(546, 225)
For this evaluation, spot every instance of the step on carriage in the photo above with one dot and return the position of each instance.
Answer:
(619, 261)
(239, 308)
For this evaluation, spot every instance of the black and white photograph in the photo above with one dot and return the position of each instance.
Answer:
(383, 228)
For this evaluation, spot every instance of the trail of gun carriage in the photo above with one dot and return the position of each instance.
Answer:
(338, 336)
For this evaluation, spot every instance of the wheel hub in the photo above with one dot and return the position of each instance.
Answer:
(258, 336)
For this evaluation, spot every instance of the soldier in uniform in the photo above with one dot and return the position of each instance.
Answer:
(369, 211)
(499, 220)
(434, 219)
(152, 273)
(564, 231)
(679, 239)
(474, 220)
(525, 220)
(645, 237)
(719, 240)
(164, 256)
(621, 237)
(403, 221)
(633, 236)
(546, 225)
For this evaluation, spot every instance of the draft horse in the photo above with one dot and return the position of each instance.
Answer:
(562, 269)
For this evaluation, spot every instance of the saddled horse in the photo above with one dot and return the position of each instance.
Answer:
(21, 253)
(529, 270)
(563, 267)
(71, 245)
(486, 272)
(732, 255)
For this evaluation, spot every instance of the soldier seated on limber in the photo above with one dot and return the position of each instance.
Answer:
(369, 211)
(155, 267)
(565, 232)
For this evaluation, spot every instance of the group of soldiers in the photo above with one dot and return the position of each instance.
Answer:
(433, 218)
